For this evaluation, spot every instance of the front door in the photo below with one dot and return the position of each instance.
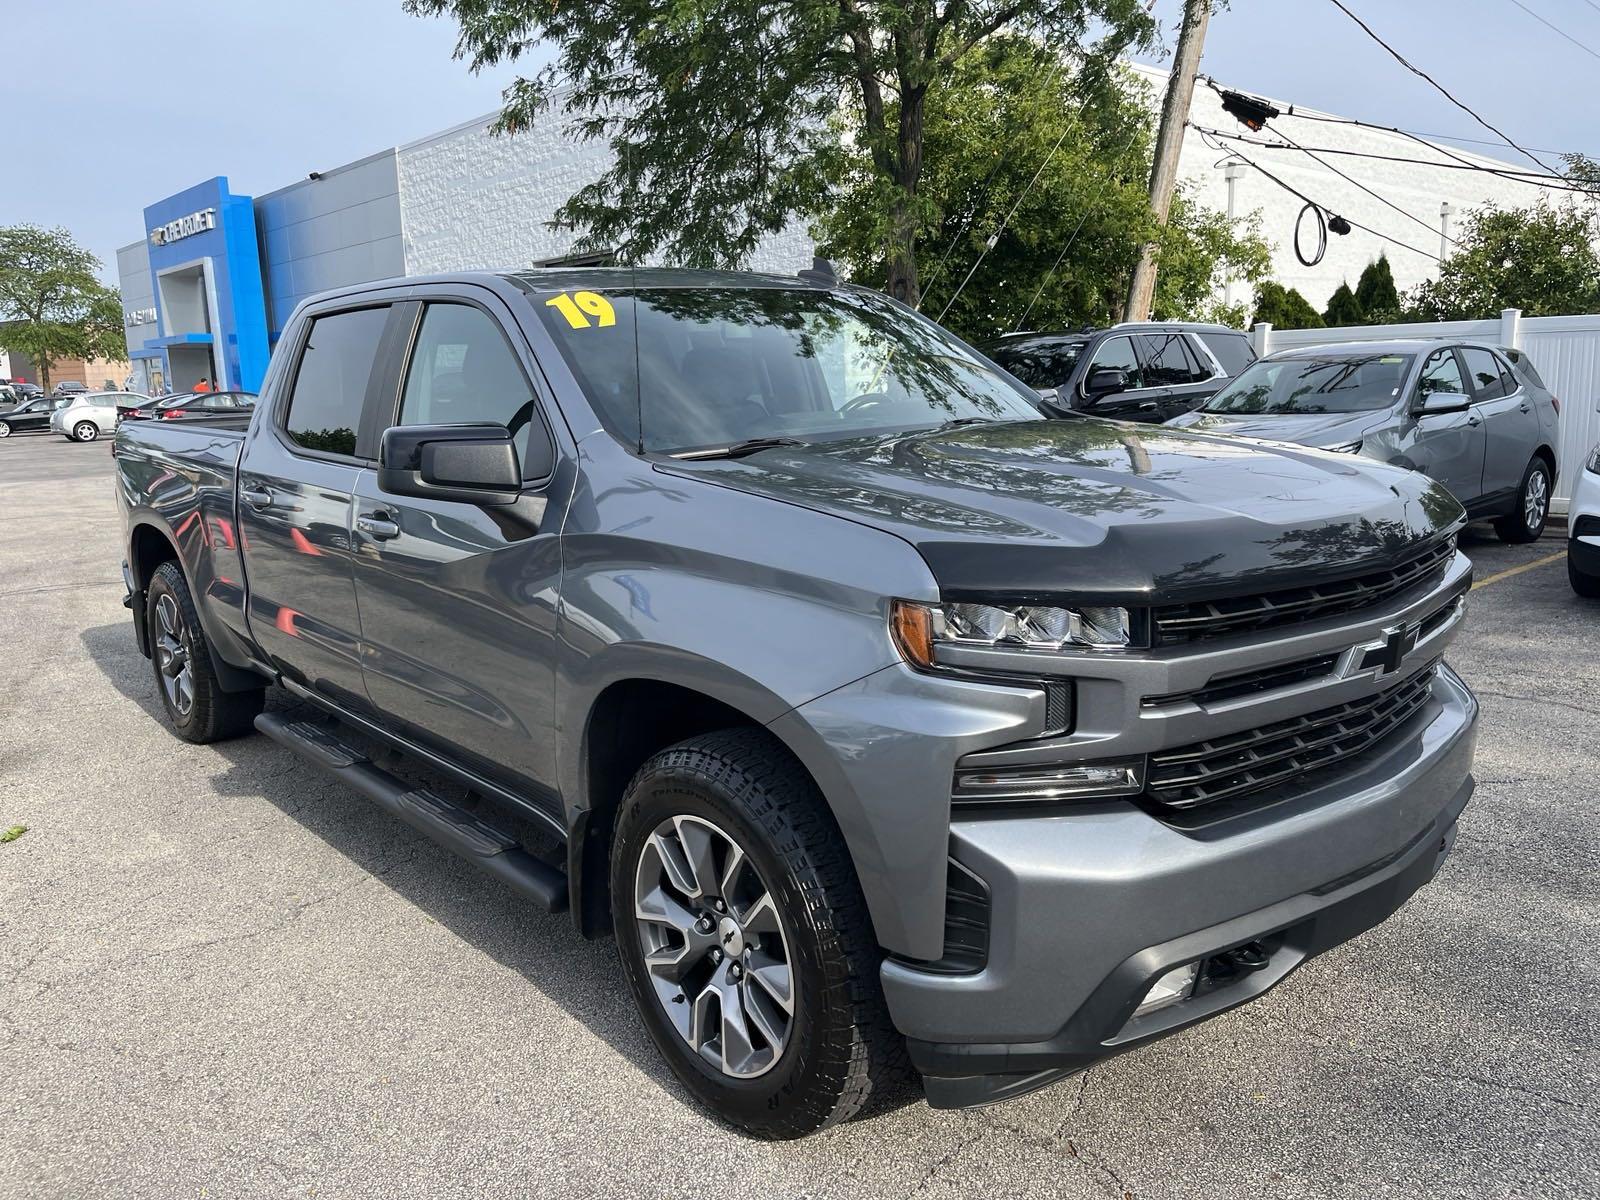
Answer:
(297, 479)
(1137, 401)
(1449, 446)
(458, 600)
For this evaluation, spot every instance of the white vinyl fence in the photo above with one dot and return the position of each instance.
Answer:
(1566, 351)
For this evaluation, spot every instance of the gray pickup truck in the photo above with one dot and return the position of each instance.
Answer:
(893, 729)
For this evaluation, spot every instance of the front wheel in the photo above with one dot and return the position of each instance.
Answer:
(1587, 586)
(85, 431)
(5, 429)
(745, 938)
(200, 711)
(1525, 522)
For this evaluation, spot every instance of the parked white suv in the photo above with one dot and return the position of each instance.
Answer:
(86, 417)
(1583, 530)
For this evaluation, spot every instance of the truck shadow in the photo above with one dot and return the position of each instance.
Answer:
(580, 976)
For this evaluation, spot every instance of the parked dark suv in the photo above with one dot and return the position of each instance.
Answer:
(1137, 371)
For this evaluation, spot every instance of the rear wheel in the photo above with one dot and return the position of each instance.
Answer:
(200, 711)
(745, 938)
(5, 429)
(1525, 522)
(86, 431)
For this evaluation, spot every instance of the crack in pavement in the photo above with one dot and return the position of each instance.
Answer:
(1577, 708)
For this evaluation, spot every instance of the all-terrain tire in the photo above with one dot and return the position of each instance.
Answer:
(842, 1050)
(211, 714)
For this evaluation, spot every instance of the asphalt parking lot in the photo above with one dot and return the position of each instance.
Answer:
(222, 975)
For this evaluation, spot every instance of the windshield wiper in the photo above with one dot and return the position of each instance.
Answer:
(739, 449)
(954, 422)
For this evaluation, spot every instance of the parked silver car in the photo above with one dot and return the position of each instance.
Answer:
(84, 418)
(1477, 418)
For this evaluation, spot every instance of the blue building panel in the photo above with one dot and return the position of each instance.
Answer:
(205, 269)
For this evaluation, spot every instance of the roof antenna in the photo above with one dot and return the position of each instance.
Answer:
(820, 272)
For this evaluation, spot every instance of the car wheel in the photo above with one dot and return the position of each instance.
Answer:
(1587, 586)
(200, 711)
(5, 429)
(745, 938)
(1525, 522)
(85, 431)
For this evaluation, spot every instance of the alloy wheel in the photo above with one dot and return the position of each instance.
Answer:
(715, 946)
(1535, 499)
(86, 432)
(172, 656)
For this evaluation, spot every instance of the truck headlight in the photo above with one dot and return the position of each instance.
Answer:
(1594, 461)
(918, 628)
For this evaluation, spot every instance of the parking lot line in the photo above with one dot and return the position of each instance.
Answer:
(1510, 571)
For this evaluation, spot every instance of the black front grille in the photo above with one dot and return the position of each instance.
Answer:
(1246, 683)
(1256, 759)
(1177, 623)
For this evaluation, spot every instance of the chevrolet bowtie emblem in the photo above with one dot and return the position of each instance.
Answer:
(1398, 642)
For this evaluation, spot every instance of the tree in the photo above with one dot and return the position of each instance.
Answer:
(721, 115)
(1284, 308)
(1540, 259)
(1376, 293)
(52, 306)
(1343, 308)
(1050, 160)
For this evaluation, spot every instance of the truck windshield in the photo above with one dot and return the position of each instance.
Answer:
(1330, 383)
(709, 367)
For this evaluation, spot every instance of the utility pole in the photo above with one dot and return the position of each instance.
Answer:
(1169, 140)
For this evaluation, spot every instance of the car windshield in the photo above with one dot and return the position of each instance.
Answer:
(1325, 383)
(713, 366)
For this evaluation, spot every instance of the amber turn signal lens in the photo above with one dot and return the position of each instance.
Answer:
(912, 628)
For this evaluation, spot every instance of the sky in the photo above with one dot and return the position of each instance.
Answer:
(109, 106)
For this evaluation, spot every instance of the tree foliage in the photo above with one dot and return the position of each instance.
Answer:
(1051, 161)
(721, 114)
(1343, 308)
(1376, 293)
(1540, 259)
(1284, 308)
(52, 305)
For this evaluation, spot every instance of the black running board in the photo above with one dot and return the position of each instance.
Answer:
(452, 826)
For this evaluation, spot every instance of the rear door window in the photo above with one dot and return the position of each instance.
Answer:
(330, 386)
(1168, 362)
(1483, 369)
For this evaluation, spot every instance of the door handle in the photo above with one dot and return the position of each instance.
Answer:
(1474, 420)
(1525, 406)
(377, 526)
(256, 497)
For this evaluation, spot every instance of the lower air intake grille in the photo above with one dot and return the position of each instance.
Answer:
(1256, 759)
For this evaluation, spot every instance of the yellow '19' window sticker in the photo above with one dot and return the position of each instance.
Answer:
(578, 307)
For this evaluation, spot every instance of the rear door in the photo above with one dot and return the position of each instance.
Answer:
(1448, 447)
(297, 480)
(1177, 364)
(458, 600)
(1511, 426)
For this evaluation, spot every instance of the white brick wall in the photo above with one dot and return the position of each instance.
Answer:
(470, 201)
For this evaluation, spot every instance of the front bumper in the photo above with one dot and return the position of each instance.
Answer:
(1088, 909)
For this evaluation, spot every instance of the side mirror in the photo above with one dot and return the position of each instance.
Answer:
(1103, 381)
(1433, 404)
(476, 464)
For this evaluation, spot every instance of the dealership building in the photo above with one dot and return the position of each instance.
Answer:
(207, 291)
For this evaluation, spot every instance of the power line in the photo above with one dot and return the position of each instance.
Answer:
(1440, 88)
(1410, 216)
(1552, 26)
(1293, 191)
(1559, 183)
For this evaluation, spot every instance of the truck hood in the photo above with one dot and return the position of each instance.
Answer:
(1305, 429)
(1124, 513)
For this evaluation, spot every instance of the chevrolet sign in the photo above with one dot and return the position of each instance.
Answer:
(172, 231)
